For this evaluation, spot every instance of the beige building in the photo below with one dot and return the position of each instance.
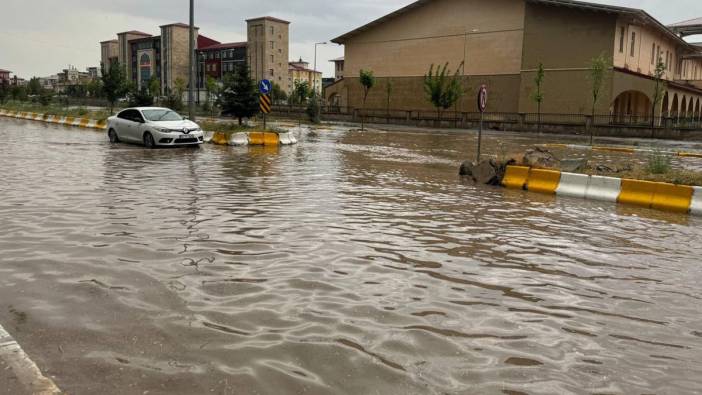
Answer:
(338, 68)
(109, 53)
(268, 50)
(175, 53)
(501, 43)
(300, 72)
(124, 54)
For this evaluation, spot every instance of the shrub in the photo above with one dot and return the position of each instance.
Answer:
(659, 163)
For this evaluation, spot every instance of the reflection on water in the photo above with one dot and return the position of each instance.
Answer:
(350, 263)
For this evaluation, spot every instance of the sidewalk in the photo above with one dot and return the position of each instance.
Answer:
(19, 374)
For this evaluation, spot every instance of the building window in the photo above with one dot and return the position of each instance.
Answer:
(633, 44)
(621, 39)
(272, 59)
(653, 54)
(217, 55)
(272, 43)
(272, 30)
(270, 72)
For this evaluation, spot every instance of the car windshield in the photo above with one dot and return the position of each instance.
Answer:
(162, 115)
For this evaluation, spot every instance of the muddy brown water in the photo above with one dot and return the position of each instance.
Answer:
(352, 263)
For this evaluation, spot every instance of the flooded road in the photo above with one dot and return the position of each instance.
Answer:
(352, 263)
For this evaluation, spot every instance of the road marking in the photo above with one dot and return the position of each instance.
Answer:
(24, 368)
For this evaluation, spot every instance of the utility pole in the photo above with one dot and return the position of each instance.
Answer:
(314, 83)
(191, 61)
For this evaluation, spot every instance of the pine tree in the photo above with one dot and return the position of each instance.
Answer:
(239, 97)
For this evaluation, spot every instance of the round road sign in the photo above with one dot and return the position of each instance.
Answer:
(482, 98)
(265, 87)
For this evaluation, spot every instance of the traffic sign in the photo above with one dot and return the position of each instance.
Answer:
(265, 104)
(482, 98)
(265, 87)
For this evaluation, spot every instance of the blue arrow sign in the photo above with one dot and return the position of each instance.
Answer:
(265, 87)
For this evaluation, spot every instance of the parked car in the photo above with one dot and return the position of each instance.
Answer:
(153, 127)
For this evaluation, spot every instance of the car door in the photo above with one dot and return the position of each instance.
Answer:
(138, 126)
(124, 125)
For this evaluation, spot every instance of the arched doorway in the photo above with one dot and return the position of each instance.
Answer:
(665, 110)
(698, 111)
(632, 107)
(691, 109)
(683, 109)
(674, 107)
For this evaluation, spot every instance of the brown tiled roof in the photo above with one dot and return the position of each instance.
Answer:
(108, 41)
(268, 18)
(298, 68)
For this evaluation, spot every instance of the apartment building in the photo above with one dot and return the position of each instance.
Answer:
(501, 43)
(300, 72)
(166, 56)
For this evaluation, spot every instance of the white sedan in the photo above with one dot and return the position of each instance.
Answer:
(153, 127)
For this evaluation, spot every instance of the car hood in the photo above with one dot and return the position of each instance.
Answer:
(176, 125)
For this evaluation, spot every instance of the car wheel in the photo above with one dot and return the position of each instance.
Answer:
(113, 136)
(149, 141)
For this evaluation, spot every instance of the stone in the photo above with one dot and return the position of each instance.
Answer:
(573, 165)
(484, 172)
(539, 157)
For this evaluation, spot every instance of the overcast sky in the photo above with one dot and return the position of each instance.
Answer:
(42, 37)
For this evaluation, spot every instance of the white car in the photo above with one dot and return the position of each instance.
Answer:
(153, 127)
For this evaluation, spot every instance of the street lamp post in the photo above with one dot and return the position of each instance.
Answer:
(191, 60)
(314, 84)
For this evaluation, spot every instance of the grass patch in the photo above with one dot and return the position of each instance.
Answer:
(57, 110)
(233, 127)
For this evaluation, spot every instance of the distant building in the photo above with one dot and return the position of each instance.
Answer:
(5, 75)
(166, 56)
(338, 68)
(300, 72)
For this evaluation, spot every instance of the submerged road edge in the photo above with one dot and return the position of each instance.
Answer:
(24, 368)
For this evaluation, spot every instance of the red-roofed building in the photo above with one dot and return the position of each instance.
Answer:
(4, 75)
(299, 72)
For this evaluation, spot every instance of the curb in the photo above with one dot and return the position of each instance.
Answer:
(251, 138)
(624, 150)
(84, 123)
(655, 195)
(26, 371)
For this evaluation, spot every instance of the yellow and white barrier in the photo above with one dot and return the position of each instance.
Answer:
(250, 138)
(655, 195)
(68, 121)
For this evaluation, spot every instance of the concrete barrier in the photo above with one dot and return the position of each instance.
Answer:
(220, 138)
(637, 192)
(256, 138)
(515, 177)
(238, 139)
(573, 185)
(696, 204)
(669, 197)
(603, 188)
(287, 138)
(270, 138)
(543, 181)
(690, 154)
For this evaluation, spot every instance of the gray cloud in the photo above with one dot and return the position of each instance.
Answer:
(41, 37)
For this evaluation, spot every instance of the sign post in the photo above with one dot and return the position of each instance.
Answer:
(265, 87)
(482, 105)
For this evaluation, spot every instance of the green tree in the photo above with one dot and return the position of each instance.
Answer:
(155, 87)
(443, 90)
(658, 90)
(388, 93)
(141, 97)
(18, 92)
(34, 86)
(313, 109)
(239, 96)
(599, 67)
(367, 80)
(180, 87)
(212, 90)
(95, 88)
(45, 97)
(278, 95)
(114, 84)
(538, 95)
(301, 92)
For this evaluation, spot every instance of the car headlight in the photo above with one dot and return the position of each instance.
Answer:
(164, 130)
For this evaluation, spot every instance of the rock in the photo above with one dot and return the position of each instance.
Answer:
(573, 165)
(604, 169)
(484, 172)
(539, 157)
